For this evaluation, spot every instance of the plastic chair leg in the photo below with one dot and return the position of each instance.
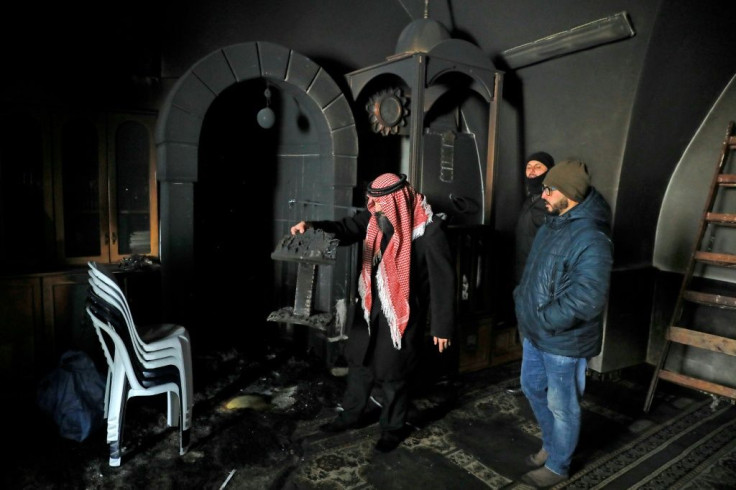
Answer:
(116, 413)
(115, 455)
(184, 439)
(174, 410)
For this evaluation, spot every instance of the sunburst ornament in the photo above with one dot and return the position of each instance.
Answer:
(388, 111)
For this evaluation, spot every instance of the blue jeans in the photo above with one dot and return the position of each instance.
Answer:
(554, 385)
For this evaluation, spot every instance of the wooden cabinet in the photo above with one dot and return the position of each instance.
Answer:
(75, 187)
(104, 187)
(40, 317)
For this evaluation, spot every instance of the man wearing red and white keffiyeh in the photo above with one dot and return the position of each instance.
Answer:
(408, 213)
(407, 280)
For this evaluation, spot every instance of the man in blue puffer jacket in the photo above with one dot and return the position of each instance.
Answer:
(559, 306)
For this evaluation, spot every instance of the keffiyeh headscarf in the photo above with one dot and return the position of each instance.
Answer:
(409, 213)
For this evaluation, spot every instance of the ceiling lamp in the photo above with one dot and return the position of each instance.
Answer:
(266, 117)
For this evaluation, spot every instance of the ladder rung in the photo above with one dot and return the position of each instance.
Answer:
(724, 260)
(727, 179)
(702, 340)
(710, 299)
(698, 384)
(721, 218)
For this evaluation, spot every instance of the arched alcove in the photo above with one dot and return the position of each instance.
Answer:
(207, 139)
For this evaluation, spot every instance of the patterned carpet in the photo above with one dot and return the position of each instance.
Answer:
(257, 428)
(479, 441)
(696, 449)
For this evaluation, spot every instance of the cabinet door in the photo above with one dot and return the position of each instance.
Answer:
(105, 187)
(23, 339)
(26, 216)
(132, 185)
(68, 327)
(80, 189)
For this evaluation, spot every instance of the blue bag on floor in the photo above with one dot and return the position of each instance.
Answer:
(73, 395)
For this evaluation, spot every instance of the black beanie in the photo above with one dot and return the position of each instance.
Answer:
(571, 178)
(543, 157)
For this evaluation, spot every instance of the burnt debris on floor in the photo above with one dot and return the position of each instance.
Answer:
(256, 426)
(244, 413)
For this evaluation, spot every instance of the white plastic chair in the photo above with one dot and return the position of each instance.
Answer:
(129, 380)
(174, 348)
(173, 351)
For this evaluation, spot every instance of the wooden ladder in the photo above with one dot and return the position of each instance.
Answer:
(677, 331)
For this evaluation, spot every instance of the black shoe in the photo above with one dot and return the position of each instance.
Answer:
(388, 442)
(337, 426)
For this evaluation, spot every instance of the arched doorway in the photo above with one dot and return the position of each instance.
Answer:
(230, 189)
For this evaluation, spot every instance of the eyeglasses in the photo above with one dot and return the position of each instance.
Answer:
(548, 190)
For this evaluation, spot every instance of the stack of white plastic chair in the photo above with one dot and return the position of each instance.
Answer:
(156, 340)
(152, 359)
(128, 382)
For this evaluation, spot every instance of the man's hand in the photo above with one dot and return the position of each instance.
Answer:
(300, 227)
(443, 344)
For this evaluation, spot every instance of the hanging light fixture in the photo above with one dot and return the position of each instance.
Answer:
(266, 117)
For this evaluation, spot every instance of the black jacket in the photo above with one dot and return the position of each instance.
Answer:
(531, 218)
(431, 299)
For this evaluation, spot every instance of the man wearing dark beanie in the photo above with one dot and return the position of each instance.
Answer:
(532, 211)
(559, 307)
(530, 218)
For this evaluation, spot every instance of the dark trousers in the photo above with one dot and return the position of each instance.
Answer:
(373, 361)
(360, 384)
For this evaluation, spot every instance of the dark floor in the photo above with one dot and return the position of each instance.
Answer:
(255, 426)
